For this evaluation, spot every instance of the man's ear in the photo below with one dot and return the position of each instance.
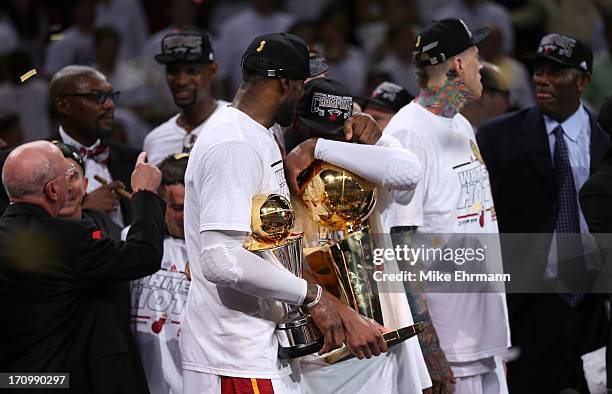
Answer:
(583, 80)
(62, 106)
(85, 184)
(50, 191)
(456, 69)
(212, 70)
(284, 85)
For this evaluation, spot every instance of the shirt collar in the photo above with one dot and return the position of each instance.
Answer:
(27, 209)
(572, 126)
(66, 139)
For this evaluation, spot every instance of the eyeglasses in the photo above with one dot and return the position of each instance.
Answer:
(98, 97)
(68, 174)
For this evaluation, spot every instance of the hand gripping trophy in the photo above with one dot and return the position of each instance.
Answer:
(339, 202)
(272, 221)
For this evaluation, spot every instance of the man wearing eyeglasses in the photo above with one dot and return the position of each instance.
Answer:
(84, 102)
(190, 69)
(55, 273)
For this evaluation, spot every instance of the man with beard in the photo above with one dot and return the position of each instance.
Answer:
(395, 171)
(190, 69)
(84, 102)
(228, 341)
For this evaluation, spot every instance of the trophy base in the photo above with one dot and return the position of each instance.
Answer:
(298, 338)
(299, 350)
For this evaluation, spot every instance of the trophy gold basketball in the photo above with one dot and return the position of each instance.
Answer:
(341, 201)
(272, 219)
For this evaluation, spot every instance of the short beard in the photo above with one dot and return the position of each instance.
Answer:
(186, 105)
(104, 133)
(284, 113)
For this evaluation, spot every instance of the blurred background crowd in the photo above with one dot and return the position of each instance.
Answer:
(364, 42)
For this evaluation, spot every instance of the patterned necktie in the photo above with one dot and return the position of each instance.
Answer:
(99, 153)
(569, 245)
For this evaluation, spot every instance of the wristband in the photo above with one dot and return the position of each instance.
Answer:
(317, 298)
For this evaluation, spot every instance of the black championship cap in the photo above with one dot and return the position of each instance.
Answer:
(564, 50)
(186, 46)
(325, 106)
(287, 54)
(444, 39)
(389, 96)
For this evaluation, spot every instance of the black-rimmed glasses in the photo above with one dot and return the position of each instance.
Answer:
(98, 97)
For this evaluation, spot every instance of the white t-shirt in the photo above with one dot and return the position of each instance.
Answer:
(402, 366)
(454, 197)
(158, 308)
(227, 332)
(169, 138)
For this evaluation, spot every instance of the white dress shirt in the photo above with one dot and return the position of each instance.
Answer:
(93, 168)
(577, 137)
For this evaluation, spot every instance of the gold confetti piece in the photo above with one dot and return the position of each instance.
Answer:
(27, 75)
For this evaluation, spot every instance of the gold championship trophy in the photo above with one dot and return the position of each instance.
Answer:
(272, 219)
(340, 202)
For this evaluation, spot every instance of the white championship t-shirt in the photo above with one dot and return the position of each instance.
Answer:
(227, 332)
(169, 138)
(453, 197)
(158, 308)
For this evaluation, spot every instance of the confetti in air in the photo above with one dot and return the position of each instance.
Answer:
(27, 75)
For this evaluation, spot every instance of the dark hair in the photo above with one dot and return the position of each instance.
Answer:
(70, 152)
(173, 169)
(254, 62)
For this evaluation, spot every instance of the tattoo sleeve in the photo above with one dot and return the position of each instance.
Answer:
(435, 359)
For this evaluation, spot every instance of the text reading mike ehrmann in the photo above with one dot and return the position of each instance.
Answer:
(456, 256)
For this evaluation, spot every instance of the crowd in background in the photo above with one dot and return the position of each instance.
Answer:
(135, 103)
(364, 42)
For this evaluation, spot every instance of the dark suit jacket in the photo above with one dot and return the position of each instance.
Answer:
(54, 274)
(551, 335)
(596, 198)
(596, 203)
(121, 163)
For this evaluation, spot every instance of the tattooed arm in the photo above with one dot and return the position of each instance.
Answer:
(437, 365)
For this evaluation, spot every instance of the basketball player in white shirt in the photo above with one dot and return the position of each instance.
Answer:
(228, 342)
(319, 122)
(190, 70)
(453, 198)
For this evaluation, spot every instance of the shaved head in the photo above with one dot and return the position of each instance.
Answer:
(74, 94)
(29, 167)
(71, 79)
